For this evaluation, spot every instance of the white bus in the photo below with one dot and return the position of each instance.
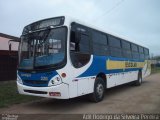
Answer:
(62, 58)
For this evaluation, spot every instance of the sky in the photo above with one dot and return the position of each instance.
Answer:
(135, 20)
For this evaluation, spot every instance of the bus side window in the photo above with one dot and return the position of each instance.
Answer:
(115, 46)
(83, 45)
(79, 50)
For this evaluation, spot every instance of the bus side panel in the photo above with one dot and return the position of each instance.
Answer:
(130, 76)
(85, 86)
(112, 79)
(121, 78)
(87, 78)
(78, 85)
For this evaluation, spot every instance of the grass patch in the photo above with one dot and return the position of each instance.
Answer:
(10, 96)
(155, 70)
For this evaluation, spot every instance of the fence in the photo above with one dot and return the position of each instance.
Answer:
(8, 67)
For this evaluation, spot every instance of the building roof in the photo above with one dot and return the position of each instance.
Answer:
(6, 41)
(10, 37)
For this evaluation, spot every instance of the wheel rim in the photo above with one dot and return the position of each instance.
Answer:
(100, 90)
(140, 80)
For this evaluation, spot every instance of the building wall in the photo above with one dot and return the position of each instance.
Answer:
(4, 44)
(8, 60)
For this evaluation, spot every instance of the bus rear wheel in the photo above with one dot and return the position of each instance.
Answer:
(99, 90)
(138, 82)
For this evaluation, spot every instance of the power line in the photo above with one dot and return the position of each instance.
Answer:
(110, 10)
(96, 3)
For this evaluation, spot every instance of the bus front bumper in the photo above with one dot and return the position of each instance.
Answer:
(60, 91)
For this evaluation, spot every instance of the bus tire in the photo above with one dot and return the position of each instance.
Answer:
(99, 90)
(138, 82)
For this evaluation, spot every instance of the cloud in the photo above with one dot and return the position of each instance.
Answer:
(137, 20)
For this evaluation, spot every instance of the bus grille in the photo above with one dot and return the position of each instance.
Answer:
(35, 92)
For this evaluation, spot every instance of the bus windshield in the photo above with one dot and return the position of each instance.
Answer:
(44, 48)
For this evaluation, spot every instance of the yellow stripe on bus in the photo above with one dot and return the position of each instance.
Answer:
(112, 64)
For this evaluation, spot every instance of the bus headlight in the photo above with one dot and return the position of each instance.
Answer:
(19, 80)
(55, 81)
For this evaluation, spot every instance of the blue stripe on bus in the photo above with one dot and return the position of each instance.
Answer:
(35, 77)
(99, 65)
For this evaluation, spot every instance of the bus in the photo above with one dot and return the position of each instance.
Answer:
(63, 58)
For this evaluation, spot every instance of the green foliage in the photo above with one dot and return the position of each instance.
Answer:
(155, 69)
(10, 96)
(156, 58)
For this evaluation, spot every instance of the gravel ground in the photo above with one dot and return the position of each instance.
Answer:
(121, 99)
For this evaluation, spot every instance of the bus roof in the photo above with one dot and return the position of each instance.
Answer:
(69, 20)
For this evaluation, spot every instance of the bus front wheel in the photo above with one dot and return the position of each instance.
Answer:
(99, 90)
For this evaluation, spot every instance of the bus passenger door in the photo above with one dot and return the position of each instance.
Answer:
(80, 55)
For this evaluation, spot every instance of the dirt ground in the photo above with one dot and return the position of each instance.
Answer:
(121, 99)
